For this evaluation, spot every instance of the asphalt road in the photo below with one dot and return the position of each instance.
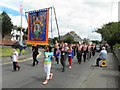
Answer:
(77, 77)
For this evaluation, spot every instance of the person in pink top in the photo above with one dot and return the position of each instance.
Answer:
(84, 51)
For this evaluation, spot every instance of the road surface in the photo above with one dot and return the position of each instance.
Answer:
(79, 76)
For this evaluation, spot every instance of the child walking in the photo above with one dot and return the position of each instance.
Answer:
(15, 60)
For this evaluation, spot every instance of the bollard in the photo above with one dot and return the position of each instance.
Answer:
(104, 63)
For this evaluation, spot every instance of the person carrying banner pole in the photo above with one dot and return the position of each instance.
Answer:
(35, 53)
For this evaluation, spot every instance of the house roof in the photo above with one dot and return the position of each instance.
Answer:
(73, 34)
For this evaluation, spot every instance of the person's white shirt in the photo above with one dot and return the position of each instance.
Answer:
(15, 56)
(103, 54)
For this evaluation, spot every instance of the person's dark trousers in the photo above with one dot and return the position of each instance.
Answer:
(57, 60)
(97, 62)
(90, 55)
(35, 60)
(84, 56)
(14, 66)
(87, 55)
(93, 53)
(63, 63)
(79, 57)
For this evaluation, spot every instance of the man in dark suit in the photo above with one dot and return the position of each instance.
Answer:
(35, 53)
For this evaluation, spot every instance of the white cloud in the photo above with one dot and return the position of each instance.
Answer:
(81, 16)
(16, 20)
(94, 36)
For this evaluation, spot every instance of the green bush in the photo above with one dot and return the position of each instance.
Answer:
(117, 45)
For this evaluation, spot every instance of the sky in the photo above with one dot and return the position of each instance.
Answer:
(81, 16)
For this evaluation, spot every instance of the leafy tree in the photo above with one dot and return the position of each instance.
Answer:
(110, 32)
(55, 39)
(19, 28)
(68, 39)
(95, 41)
(7, 25)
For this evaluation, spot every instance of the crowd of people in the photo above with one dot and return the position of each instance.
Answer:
(61, 53)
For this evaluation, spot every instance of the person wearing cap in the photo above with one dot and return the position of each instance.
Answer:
(102, 56)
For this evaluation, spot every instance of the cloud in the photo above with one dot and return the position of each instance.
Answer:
(81, 16)
(16, 20)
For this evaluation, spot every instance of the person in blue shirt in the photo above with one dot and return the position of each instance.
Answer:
(57, 53)
(102, 56)
(48, 55)
(70, 55)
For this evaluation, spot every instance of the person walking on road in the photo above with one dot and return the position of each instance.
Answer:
(93, 49)
(15, 60)
(79, 53)
(102, 56)
(47, 64)
(35, 53)
(57, 53)
(63, 57)
(89, 52)
(84, 52)
(70, 56)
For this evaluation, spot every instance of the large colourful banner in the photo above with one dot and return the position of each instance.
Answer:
(38, 27)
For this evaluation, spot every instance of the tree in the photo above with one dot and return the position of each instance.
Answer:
(55, 39)
(69, 40)
(110, 32)
(19, 28)
(95, 41)
(7, 25)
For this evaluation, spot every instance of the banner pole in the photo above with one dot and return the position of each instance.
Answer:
(56, 24)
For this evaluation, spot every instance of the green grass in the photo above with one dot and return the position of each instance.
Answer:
(6, 52)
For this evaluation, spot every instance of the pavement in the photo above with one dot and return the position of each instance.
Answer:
(79, 76)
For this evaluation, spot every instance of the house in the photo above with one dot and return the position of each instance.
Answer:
(16, 34)
(74, 37)
(7, 40)
(86, 40)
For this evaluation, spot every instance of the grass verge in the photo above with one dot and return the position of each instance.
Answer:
(6, 52)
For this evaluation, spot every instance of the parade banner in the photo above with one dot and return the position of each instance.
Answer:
(38, 21)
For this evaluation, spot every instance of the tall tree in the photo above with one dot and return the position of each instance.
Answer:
(110, 32)
(6, 24)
